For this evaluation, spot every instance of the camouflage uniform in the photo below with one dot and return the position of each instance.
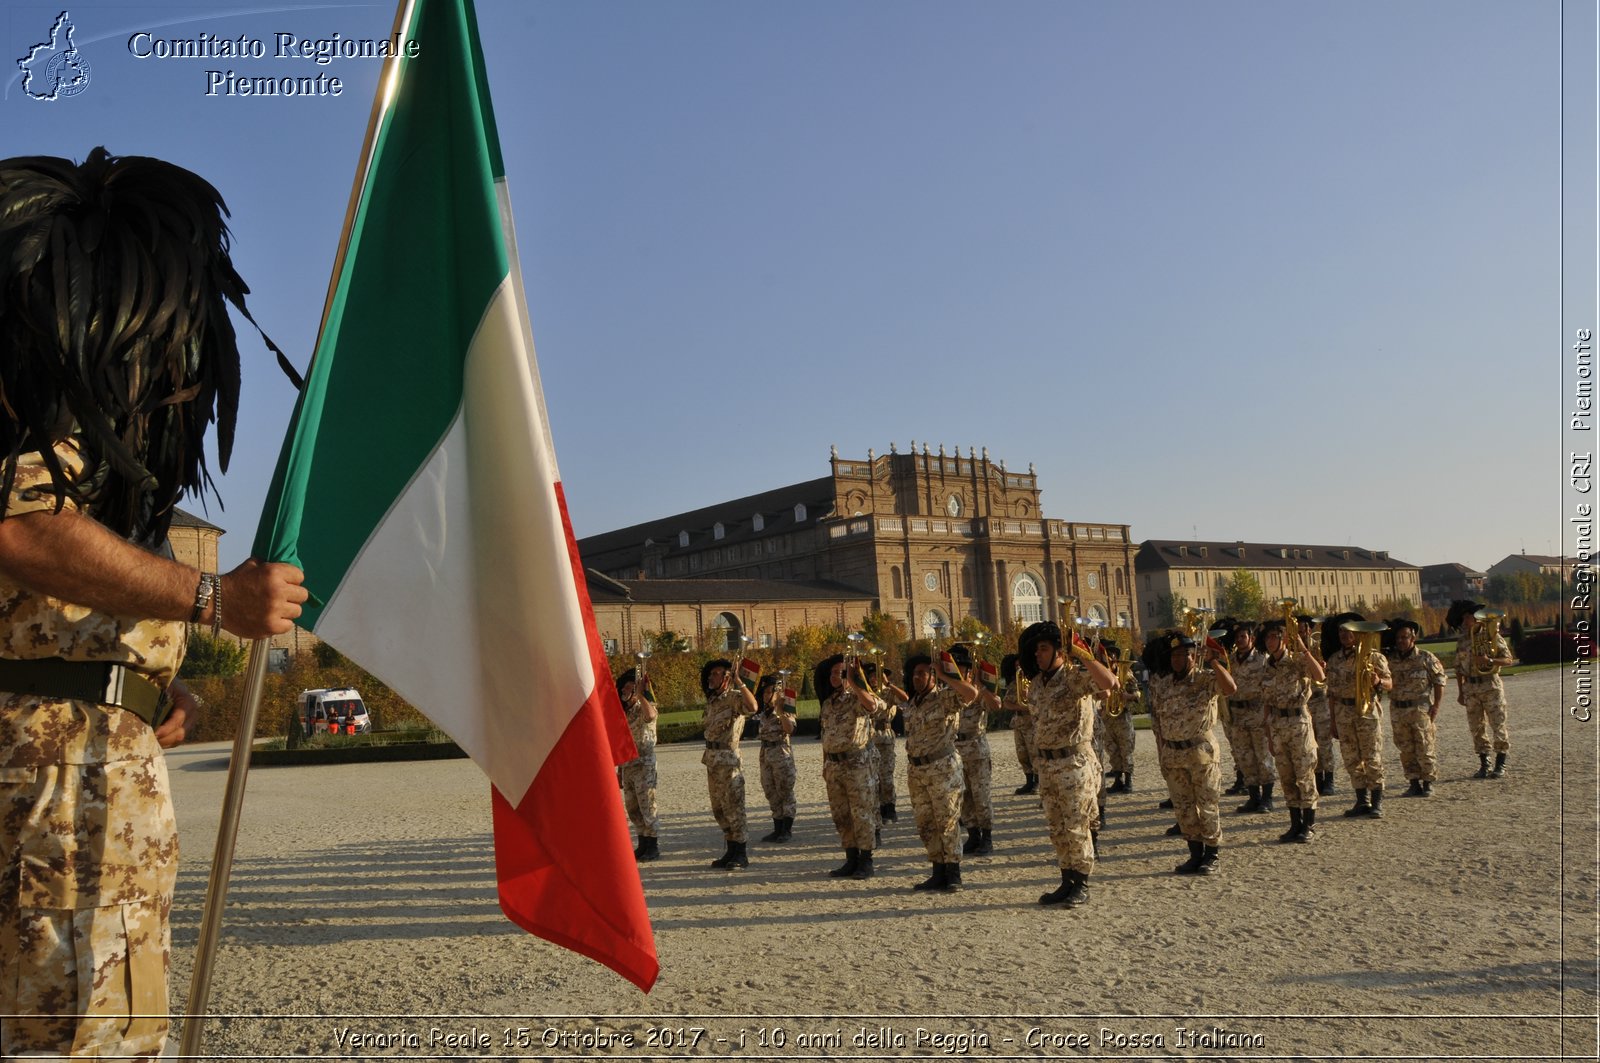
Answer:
(846, 730)
(1252, 741)
(1022, 735)
(1360, 737)
(1322, 727)
(777, 764)
(638, 777)
(88, 843)
(1485, 696)
(1284, 691)
(1415, 733)
(972, 742)
(1069, 772)
(1186, 711)
(724, 726)
(933, 771)
(1119, 732)
(883, 744)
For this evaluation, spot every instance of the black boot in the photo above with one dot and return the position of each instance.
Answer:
(1029, 785)
(638, 848)
(1174, 830)
(952, 878)
(985, 842)
(886, 812)
(1361, 807)
(649, 849)
(863, 865)
(1427, 787)
(974, 839)
(1071, 892)
(1483, 766)
(1415, 790)
(1296, 825)
(777, 831)
(1191, 866)
(1324, 783)
(785, 829)
(1266, 798)
(852, 859)
(1094, 843)
(1254, 804)
(1376, 810)
(1308, 824)
(935, 881)
(1238, 784)
(1127, 781)
(1165, 802)
(1208, 860)
(877, 836)
(735, 856)
(1499, 769)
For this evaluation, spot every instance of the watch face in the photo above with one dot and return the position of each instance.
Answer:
(931, 581)
(953, 507)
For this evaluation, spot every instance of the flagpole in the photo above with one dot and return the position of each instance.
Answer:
(222, 855)
(256, 668)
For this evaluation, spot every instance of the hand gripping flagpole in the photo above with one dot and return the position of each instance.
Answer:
(256, 667)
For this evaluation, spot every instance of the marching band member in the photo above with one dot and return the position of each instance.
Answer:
(728, 702)
(1358, 728)
(1119, 728)
(1183, 711)
(1419, 683)
(1021, 724)
(883, 743)
(1252, 742)
(775, 722)
(1321, 712)
(846, 719)
(1061, 697)
(638, 777)
(1480, 688)
(972, 743)
(933, 767)
(1284, 690)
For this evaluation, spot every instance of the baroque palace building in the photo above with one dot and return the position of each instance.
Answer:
(930, 538)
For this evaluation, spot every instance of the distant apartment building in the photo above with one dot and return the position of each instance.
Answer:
(1535, 564)
(1324, 579)
(1450, 582)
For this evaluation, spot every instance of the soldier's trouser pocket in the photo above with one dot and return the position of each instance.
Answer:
(88, 855)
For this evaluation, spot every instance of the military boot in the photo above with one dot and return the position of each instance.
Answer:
(1191, 866)
(1361, 807)
(1427, 787)
(1308, 824)
(785, 829)
(1165, 802)
(649, 849)
(1174, 830)
(1094, 843)
(952, 878)
(1416, 790)
(863, 865)
(1029, 785)
(1499, 769)
(1266, 798)
(777, 831)
(1060, 894)
(852, 858)
(974, 839)
(1483, 766)
(1296, 825)
(935, 881)
(734, 857)
(1376, 810)
(985, 842)
(1117, 786)
(1238, 784)
(1254, 804)
(1324, 783)
(887, 813)
(1127, 781)
(1208, 860)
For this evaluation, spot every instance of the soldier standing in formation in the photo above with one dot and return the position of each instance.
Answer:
(846, 718)
(1021, 723)
(972, 743)
(775, 722)
(1119, 728)
(1252, 743)
(1359, 728)
(1321, 711)
(638, 777)
(933, 767)
(1480, 689)
(1284, 691)
(883, 744)
(1183, 711)
(1419, 683)
(728, 703)
(1061, 696)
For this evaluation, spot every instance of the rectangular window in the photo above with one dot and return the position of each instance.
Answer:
(764, 640)
(610, 646)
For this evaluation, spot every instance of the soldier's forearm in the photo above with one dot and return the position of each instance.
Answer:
(75, 558)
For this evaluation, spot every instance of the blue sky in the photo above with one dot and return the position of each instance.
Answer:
(1253, 271)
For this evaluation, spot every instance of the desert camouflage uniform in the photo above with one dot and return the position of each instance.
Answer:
(88, 843)
(1485, 696)
(933, 771)
(638, 777)
(1184, 711)
(883, 745)
(1285, 690)
(1415, 733)
(1252, 742)
(1022, 734)
(777, 764)
(724, 726)
(1322, 727)
(1069, 773)
(1119, 731)
(972, 742)
(1360, 737)
(846, 730)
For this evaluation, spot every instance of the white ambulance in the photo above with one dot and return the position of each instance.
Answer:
(329, 710)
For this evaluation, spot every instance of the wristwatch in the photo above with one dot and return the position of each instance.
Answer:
(203, 593)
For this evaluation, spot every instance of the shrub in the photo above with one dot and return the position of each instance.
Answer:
(1553, 647)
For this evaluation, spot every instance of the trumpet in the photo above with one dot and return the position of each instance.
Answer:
(1485, 634)
(1369, 636)
(641, 675)
(854, 643)
(1116, 697)
(1285, 606)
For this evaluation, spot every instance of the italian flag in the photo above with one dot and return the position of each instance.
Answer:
(418, 490)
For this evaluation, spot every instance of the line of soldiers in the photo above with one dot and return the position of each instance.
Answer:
(1073, 736)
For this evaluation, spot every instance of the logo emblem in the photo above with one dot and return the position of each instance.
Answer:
(55, 68)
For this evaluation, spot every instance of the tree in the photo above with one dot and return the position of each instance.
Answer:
(1241, 597)
(883, 630)
(1169, 607)
(666, 642)
(328, 657)
(208, 656)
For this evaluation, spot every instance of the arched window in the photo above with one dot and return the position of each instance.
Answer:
(727, 625)
(799, 512)
(683, 538)
(1121, 583)
(1097, 613)
(1027, 600)
(716, 530)
(758, 522)
(933, 619)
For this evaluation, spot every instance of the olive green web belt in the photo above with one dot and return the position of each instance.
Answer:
(115, 685)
